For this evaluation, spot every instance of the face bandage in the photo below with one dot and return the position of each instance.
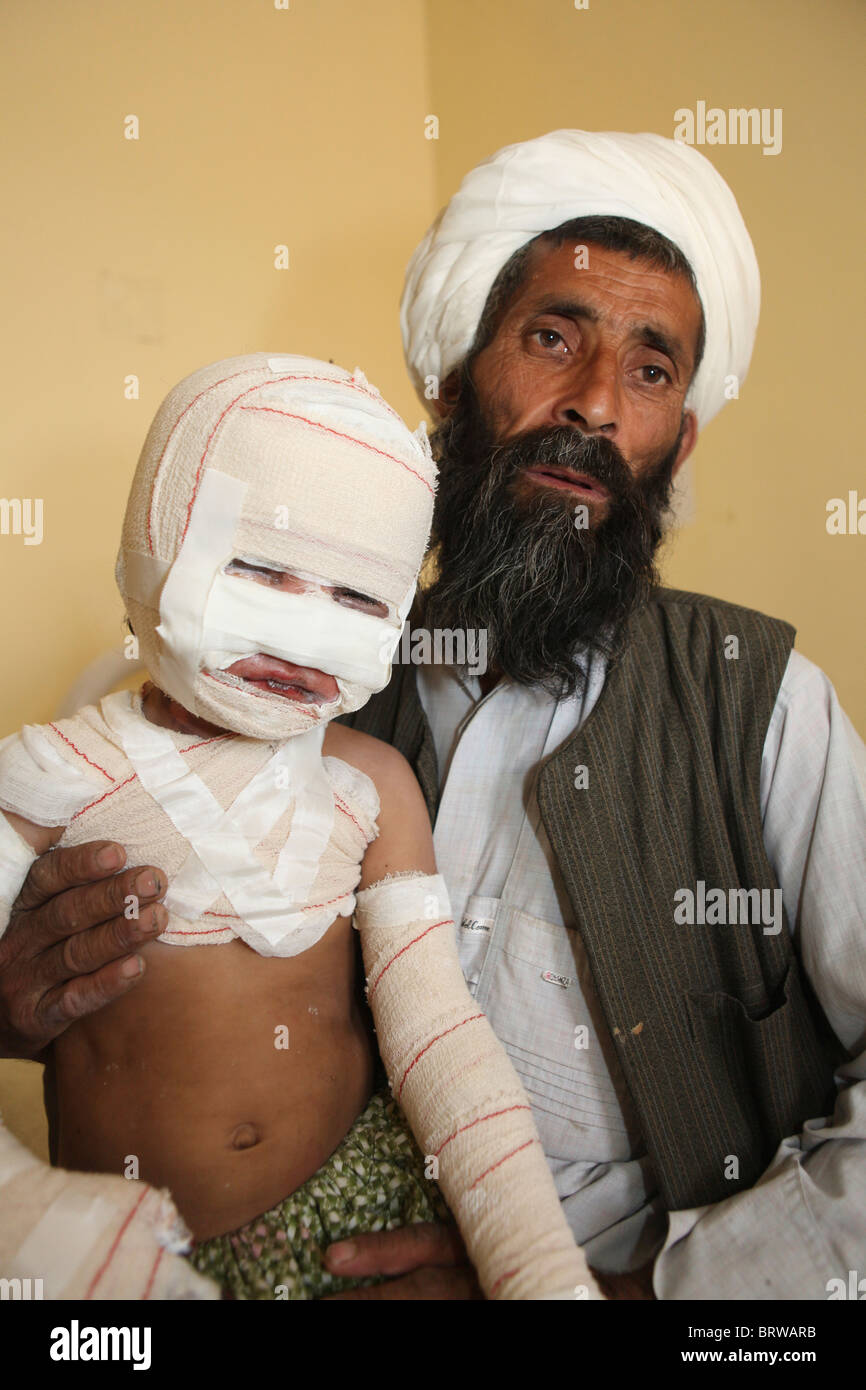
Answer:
(295, 466)
(90, 1235)
(462, 1097)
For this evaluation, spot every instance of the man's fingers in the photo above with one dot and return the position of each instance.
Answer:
(75, 977)
(396, 1252)
(422, 1285)
(68, 868)
(84, 952)
(87, 993)
(91, 904)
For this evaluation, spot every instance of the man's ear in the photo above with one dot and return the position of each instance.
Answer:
(449, 392)
(688, 441)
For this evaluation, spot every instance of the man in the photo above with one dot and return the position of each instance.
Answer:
(650, 812)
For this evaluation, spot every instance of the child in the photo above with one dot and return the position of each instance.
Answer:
(272, 541)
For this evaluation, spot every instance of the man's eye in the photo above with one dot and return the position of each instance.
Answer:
(548, 337)
(660, 374)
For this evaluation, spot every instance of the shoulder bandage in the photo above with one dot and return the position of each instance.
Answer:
(462, 1097)
(16, 856)
(90, 1235)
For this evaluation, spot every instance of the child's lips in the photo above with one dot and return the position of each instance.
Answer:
(293, 682)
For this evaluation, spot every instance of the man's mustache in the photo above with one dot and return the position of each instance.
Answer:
(566, 447)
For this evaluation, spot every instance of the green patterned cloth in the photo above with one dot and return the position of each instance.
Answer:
(373, 1182)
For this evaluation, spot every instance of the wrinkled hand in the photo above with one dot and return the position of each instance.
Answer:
(425, 1261)
(68, 949)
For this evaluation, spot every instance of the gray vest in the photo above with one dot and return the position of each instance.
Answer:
(724, 1047)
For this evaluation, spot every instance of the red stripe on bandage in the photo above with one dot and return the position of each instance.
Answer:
(480, 1121)
(112, 1252)
(509, 1274)
(184, 412)
(149, 1285)
(499, 1163)
(229, 408)
(110, 792)
(215, 739)
(420, 937)
(439, 1036)
(338, 434)
(79, 752)
(206, 931)
(341, 806)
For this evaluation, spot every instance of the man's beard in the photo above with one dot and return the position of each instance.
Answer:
(515, 563)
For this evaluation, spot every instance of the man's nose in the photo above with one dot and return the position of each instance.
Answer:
(589, 397)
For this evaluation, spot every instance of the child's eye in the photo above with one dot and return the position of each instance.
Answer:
(260, 573)
(352, 599)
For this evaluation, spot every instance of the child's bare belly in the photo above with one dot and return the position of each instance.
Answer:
(228, 1076)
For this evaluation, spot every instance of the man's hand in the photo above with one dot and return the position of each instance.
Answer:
(69, 949)
(426, 1261)
(634, 1287)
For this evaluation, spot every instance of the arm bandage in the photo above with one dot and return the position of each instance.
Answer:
(462, 1097)
(16, 856)
(90, 1235)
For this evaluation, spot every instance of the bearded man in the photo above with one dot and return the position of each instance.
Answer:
(650, 810)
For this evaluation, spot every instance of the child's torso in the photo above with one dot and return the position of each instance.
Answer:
(224, 1075)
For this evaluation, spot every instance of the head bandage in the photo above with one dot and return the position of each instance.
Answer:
(293, 465)
(532, 187)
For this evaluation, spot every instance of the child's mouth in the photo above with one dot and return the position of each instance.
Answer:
(302, 683)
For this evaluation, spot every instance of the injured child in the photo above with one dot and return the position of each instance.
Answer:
(272, 541)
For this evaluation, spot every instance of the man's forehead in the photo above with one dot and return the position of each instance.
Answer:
(605, 280)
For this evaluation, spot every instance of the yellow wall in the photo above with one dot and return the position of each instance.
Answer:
(305, 126)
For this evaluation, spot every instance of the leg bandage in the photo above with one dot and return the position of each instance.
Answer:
(90, 1235)
(462, 1096)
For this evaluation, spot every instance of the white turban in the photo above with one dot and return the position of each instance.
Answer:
(532, 187)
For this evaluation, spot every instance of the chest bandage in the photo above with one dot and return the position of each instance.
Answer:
(299, 467)
(462, 1097)
(221, 859)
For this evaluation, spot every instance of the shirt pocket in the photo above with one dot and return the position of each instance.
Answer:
(768, 1072)
(531, 988)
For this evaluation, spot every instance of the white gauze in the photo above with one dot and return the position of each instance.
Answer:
(295, 465)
